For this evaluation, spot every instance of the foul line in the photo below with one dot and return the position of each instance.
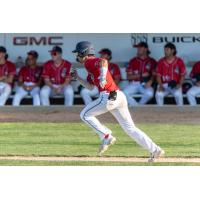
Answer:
(100, 159)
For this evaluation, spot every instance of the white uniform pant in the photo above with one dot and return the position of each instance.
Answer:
(67, 91)
(119, 110)
(134, 88)
(177, 93)
(21, 93)
(192, 93)
(5, 91)
(87, 94)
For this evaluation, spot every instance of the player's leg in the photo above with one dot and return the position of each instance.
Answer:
(35, 93)
(87, 94)
(45, 94)
(178, 95)
(129, 91)
(147, 94)
(191, 95)
(69, 95)
(5, 93)
(160, 95)
(19, 95)
(123, 116)
(89, 113)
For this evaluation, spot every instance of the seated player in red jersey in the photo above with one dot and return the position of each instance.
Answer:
(170, 72)
(56, 74)
(29, 80)
(7, 73)
(141, 74)
(195, 89)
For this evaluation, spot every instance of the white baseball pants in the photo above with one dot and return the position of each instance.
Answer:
(21, 93)
(177, 93)
(5, 91)
(67, 91)
(119, 110)
(192, 93)
(87, 94)
(134, 88)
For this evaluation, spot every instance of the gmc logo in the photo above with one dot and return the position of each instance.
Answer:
(25, 41)
(183, 39)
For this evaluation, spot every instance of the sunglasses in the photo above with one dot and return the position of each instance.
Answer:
(54, 53)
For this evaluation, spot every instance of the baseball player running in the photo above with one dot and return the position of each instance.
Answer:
(111, 99)
(7, 73)
(170, 76)
(87, 94)
(141, 74)
(56, 74)
(29, 80)
(195, 89)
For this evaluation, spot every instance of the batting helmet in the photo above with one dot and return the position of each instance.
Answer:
(84, 48)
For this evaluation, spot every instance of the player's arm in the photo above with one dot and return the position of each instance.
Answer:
(159, 81)
(182, 78)
(103, 72)
(48, 83)
(9, 78)
(131, 76)
(83, 82)
(182, 74)
(3, 79)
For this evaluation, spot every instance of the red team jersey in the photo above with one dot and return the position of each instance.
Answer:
(57, 75)
(7, 69)
(171, 71)
(138, 66)
(114, 70)
(27, 74)
(195, 69)
(92, 66)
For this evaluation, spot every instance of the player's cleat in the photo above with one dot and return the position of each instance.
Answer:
(156, 154)
(106, 143)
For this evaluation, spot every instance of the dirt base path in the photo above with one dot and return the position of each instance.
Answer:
(100, 159)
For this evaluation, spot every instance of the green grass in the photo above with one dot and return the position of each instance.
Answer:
(76, 139)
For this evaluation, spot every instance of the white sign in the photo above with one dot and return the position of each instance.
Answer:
(188, 45)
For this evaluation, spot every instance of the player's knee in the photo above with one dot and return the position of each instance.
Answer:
(149, 93)
(177, 94)
(7, 89)
(68, 90)
(159, 94)
(44, 92)
(82, 115)
(84, 92)
(190, 93)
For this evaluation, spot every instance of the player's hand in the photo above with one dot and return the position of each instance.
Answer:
(57, 90)
(27, 88)
(74, 73)
(102, 82)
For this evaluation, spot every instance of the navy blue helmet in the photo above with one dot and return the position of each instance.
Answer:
(84, 48)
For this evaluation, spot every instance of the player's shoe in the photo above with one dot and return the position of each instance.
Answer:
(106, 143)
(156, 154)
